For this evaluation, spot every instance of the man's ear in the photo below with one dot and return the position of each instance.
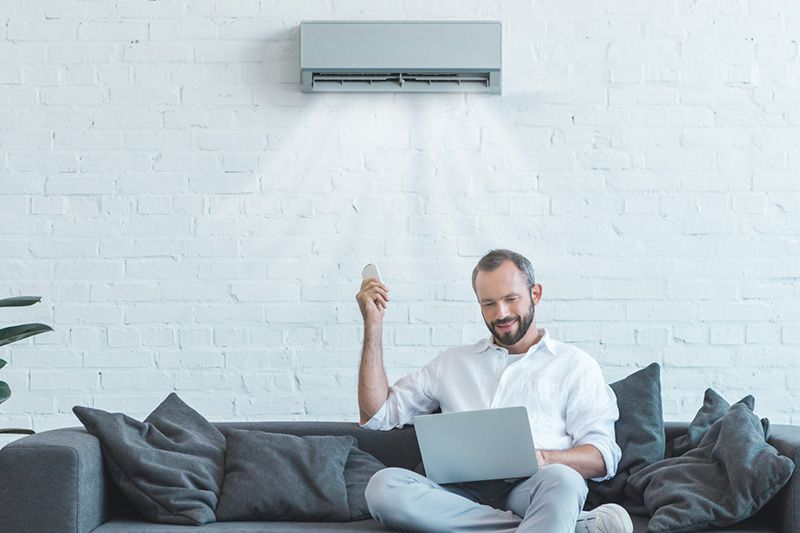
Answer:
(536, 293)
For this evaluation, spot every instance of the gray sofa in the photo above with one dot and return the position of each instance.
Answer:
(54, 482)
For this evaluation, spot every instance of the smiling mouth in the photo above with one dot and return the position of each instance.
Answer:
(506, 327)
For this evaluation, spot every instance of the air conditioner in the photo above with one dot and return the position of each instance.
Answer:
(400, 56)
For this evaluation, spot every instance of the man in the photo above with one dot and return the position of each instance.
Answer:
(571, 409)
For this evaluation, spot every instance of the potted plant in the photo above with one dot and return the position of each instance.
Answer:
(13, 334)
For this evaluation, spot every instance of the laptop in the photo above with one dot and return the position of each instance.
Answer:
(477, 445)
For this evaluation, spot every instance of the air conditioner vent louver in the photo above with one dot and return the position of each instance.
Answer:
(400, 81)
(400, 56)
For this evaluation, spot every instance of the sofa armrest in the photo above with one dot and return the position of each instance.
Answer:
(53, 481)
(783, 511)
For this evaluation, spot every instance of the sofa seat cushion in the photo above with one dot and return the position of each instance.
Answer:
(135, 526)
(749, 526)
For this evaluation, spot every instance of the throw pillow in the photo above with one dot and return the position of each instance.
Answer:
(276, 476)
(727, 478)
(639, 434)
(169, 467)
(360, 467)
(714, 407)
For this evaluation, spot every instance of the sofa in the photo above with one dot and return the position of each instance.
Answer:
(55, 482)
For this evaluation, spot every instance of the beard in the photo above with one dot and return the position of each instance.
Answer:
(510, 338)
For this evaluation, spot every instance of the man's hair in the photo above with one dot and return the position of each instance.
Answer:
(497, 257)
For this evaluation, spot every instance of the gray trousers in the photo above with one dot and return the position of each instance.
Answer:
(547, 502)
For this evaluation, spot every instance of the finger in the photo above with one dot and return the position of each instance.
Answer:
(372, 282)
(373, 290)
(363, 298)
(381, 292)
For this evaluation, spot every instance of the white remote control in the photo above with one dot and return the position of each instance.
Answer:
(371, 271)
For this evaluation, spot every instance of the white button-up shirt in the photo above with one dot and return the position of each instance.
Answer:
(568, 401)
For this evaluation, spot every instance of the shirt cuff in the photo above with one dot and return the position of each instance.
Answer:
(608, 458)
(376, 422)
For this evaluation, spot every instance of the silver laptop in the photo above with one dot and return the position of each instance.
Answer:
(477, 445)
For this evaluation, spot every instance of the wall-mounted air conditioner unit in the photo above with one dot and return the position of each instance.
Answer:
(400, 56)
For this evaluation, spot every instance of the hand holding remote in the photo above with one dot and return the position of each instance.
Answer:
(373, 297)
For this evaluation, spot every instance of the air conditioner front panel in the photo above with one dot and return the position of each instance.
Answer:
(401, 49)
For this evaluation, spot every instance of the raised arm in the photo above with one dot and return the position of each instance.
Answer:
(373, 387)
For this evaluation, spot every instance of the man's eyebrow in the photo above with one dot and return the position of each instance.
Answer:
(487, 300)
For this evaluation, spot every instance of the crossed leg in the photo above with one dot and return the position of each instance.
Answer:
(403, 500)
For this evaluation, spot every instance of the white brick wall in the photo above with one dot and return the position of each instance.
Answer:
(195, 223)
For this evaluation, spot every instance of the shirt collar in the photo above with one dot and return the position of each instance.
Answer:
(546, 341)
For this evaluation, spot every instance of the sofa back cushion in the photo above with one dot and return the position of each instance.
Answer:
(639, 433)
(397, 447)
(392, 448)
(358, 470)
(275, 476)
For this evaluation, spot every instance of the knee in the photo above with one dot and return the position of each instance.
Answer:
(558, 476)
(381, 493)
(382, 483)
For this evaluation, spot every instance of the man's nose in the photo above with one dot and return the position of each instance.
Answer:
(502, 311)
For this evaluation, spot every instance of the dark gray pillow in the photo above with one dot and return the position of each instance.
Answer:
(275, 476)
(727, 478)
(639, 434)
(169, 467)
(359, 468)
(713, 408)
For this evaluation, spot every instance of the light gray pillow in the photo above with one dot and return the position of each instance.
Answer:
(276, 476)
(169, 467)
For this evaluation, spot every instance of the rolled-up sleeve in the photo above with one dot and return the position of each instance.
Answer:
(411, 395)
(591, 414)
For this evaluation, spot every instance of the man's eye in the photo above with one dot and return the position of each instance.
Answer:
(489, 304)
(512, 299)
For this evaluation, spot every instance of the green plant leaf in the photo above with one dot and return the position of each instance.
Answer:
(17, 333)
(19, 301)
(5, 391)
(2, 363)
